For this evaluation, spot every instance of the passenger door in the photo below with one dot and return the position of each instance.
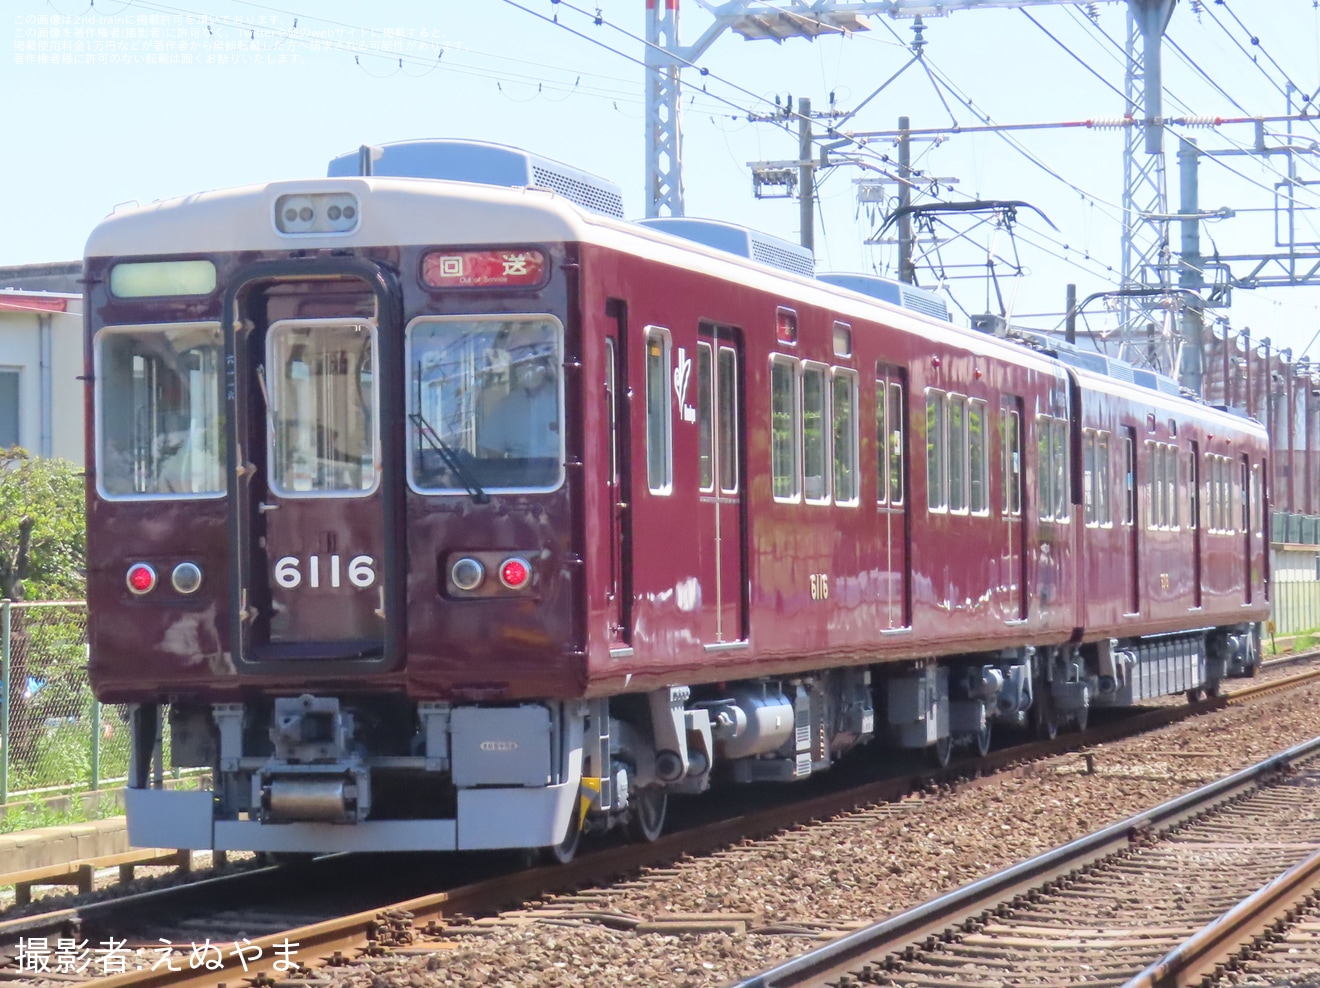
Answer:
(720, 483)
(1131, 520)
(1244, 482)
(1013, 557)
(892, 486)
(617, 483)
(1194, 520)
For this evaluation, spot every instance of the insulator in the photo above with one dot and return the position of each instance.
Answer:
(1200, 121)
(1093, 11)
(1108, 123)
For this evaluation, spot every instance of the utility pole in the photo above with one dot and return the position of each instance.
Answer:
(907, 269)
(1191, 278)
(806, 177)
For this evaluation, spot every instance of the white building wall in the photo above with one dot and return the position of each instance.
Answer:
(41, 340)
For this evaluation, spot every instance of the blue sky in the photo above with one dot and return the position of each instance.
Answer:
(139, 100)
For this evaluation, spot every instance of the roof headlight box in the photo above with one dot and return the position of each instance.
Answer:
(316, 213)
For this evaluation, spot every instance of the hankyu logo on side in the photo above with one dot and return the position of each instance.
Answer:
(498, 746)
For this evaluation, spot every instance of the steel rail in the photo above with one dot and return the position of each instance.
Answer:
(72, 918)
(819, 965)
(1213, 945)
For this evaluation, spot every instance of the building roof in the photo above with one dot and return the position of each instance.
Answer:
(58, 276)
(16, 301)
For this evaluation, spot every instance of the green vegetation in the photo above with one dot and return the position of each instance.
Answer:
(51, 813)
(43, 541)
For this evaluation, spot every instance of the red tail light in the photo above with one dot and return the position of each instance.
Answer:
(515, 573)
(141, 578)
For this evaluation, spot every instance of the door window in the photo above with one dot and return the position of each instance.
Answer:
(321, 385)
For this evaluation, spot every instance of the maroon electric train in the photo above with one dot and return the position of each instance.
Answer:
(433, 513)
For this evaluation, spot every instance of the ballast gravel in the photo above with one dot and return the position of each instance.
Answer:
(780, 894)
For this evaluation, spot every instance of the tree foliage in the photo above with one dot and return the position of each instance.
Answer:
(43, 535)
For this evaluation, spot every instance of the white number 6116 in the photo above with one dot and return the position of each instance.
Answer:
(289, 572)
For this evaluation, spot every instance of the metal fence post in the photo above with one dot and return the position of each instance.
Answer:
(7, 689)
(96, 744)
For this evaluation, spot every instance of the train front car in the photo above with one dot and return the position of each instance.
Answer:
(333, 519)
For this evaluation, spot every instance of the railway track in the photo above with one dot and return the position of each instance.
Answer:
(321, 926)
(1141, 903)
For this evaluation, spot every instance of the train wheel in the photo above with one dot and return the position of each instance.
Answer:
(1194, 695)
(1212, 687)
(942, 752)
(1045, 715)
(983, 740)
(647, 818)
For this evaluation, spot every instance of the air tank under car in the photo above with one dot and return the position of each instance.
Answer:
(320, 565)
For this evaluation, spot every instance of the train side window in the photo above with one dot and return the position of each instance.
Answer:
(845, 437)
(1212, 492)
(727, 438)
(1221, 496)
(659, 416)
(1059, 454)
(1088, 478)
(1226, 484)
(1176, 492)
(1154, 495)
(937, 497)
(978, 498)
(611, 392)
(1155, 487)
(1052, 468)
(1044, 474)
(1244, 500)
(705, 419)
(1104, 518)
(815, 434)
(1012, 463)
(1129, 476)
(1257, 503)
(1193, 489)
(896, 444)
(957, 454)
(881, 442)
(784, 428)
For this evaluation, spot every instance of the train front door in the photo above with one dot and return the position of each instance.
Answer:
(313, 508)
(719, 425)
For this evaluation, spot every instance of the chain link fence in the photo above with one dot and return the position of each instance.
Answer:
(54, 737)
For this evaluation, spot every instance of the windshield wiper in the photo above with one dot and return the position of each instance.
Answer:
(450, 457)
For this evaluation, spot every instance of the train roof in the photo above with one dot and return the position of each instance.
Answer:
(408, 211)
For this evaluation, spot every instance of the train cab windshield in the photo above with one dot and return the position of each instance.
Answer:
(485, 404)
(158, 414)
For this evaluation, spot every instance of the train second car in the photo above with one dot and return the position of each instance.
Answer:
(441, 508)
